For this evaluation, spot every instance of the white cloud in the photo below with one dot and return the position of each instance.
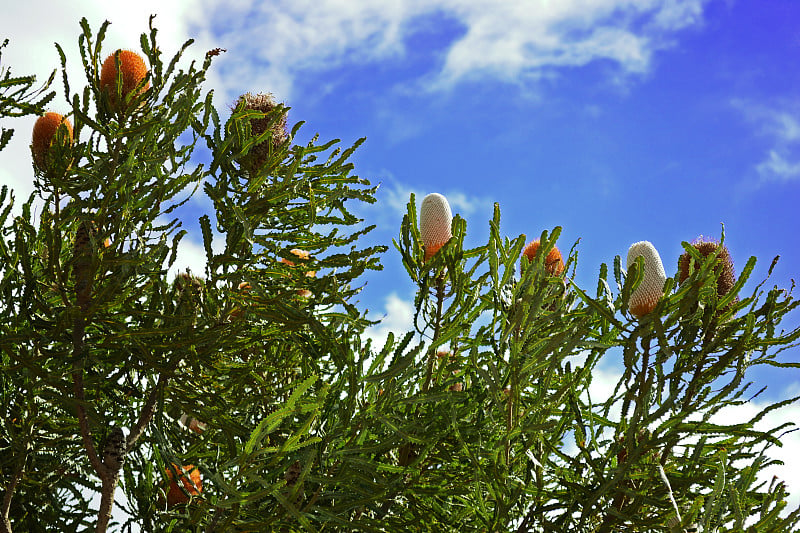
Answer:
(397, 318)
(777, 167)
(274, 43)
(779, 124)
(395, 197)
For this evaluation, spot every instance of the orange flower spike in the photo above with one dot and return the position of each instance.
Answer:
(192, 484)
(133, 69)
(44, 134)
(435, 221)
(644, 299)
(553, 263)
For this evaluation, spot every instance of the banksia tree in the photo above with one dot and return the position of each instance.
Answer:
(308, 426)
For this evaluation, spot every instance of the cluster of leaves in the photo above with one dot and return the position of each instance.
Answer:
(481, 420)
(18, 96)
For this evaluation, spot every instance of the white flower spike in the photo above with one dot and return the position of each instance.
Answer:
(646, 296)
(435, 219)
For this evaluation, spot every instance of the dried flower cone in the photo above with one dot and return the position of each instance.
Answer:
(553, 263)
(726, 277)
(82, 264)
(44, 134)
(133, 68)
(435, 221)
(193, 485)
(646, 295)
(259, 153)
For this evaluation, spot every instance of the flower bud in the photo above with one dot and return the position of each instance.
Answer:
(435, 220)
(645, 297)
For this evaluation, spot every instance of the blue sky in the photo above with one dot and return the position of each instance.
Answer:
(619, 120)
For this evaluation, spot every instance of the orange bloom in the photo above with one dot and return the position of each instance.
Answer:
(193, 484)
(134, 71)
(553, 263)
(44, 132)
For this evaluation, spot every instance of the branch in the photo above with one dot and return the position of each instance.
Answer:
(6, 523)
(80, 397)
(148, 410)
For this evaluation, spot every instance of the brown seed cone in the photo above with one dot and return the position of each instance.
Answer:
(82, 264)
(292, 474)
(259, 153)
(724, 268)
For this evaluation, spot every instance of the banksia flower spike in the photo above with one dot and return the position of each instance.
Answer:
(645, 297)
(435, 220)
(726, 276)
(133, 70)
(553, 263)
(44, 135)
(263, 103)
(192, 484)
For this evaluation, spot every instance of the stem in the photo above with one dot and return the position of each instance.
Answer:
(148, 410)
(437, 327)
(6, 522)
(80, 396)
(620, 499)
(107, 501)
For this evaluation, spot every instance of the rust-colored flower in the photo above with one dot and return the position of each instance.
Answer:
(726, 277)
(263, 103)
(133, 69)
(44, 134)
(435, 221)
(193, 484)
(553, 263)
(645, 297)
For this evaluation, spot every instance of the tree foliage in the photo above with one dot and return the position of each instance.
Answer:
(256, 375)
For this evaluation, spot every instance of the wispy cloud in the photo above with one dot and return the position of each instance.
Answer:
(397, 318)
(393, 197)
(780, 125)
(274, 43)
